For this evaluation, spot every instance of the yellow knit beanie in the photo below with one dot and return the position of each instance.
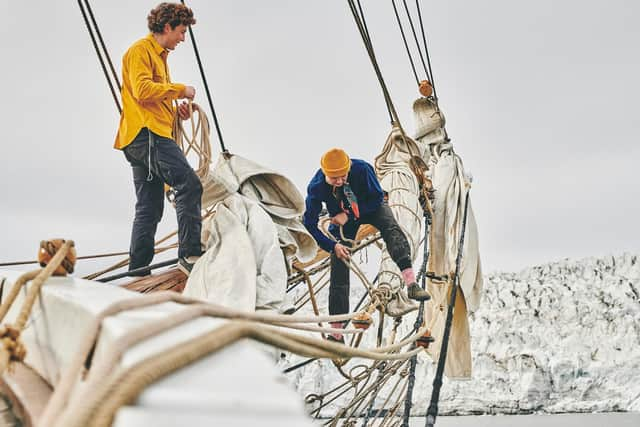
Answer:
(335, 163)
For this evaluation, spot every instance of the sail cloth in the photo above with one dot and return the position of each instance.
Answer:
(274, 192)
(451, 185)
(255, 224)
(401, 185)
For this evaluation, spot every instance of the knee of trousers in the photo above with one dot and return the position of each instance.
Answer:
(148, 216)
(190, 186)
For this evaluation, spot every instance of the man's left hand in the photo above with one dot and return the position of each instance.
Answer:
(183, 110)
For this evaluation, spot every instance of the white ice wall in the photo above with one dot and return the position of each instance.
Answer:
(562, 337)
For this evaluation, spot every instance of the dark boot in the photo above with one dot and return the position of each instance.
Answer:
(415, 292)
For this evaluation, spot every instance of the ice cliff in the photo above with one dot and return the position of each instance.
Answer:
(562, 337)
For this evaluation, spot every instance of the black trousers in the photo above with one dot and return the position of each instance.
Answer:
(394, 238)
(156, 160)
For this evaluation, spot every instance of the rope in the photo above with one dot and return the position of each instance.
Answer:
(360, 23)
(106, 395)
(415, 38)
(157, 250)
(406, 45)
(96, 256)
(206, 88)
(114, 74)
(422, 277)
(432, 412)
(426, 50)
(201, 147)
(306, 362)
(100, 58)
(12, 348)
(302, 345)
(139, 271)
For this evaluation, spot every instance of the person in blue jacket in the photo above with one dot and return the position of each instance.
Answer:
(352, 195)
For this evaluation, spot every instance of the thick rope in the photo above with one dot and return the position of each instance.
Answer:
(207, 309)
(101, 403)
(71, 374)
(12, 348)
(202, 145)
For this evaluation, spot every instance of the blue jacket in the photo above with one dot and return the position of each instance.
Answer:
(365, 185)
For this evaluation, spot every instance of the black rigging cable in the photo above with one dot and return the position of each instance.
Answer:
(359, 18)
(415, 38)
(95, 45)
(404, 39)
(206, 88)
(422, 278)
(426, 66)
(432, 412)
(426, 51)
(114, 74)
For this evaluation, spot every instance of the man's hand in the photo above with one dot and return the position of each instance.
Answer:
(340, 219)
(342, 252)
(189, 92)
(183, 110)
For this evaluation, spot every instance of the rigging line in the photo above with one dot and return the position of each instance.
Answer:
(404, 39)
(432, 411)
(415, 38)
(104, 46)
(206, 87)
(364, 24)
(422, 276)
(306, 362)
(139, 271)
(426, 50)
(104, 68)
(105, 255)
(390, 108)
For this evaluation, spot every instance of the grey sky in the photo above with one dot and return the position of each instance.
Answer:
(540, 99)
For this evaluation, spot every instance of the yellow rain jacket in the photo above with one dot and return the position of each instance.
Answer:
(147, 92)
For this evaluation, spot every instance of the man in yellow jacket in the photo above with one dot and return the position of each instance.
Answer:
(145, 136)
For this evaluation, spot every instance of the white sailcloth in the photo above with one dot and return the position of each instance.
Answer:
(451, 186)
(254, 225)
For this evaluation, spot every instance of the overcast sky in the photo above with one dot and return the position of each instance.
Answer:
(541, 99)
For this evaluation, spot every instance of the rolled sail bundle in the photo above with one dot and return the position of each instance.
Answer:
(399, 181)
(451, 184)
(248, 239)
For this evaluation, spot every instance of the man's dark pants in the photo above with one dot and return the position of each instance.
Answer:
(168, 165)
(397, 246)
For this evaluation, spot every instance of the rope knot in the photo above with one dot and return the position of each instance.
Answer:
(12, 344)
(48, 249)
(382, 294)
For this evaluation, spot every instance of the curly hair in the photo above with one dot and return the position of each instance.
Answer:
(173, 14)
